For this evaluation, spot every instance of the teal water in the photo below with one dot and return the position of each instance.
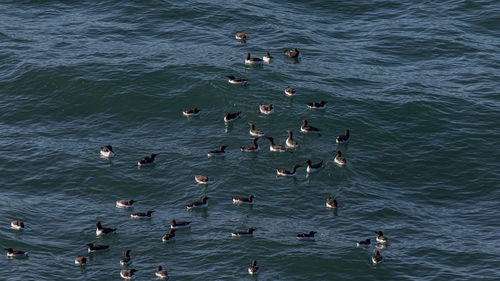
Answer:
(415, 82)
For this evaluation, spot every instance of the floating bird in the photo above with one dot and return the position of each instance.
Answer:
(251, 148)
(290, 142)
(308, 129)
(267, 58)
(240, 36)
(103, 230)
(343, 138)
(125, 203)
(275, 148)
(317, 105)
(237, 81)
(311, 168)
(293, 53)
(147, 160)
(252, 61)
(218, 153)
(170, 236)
(179, 224)
(339, 159)
(126, 259)
(127, 273)
(377, 257)
(380, 237)
(191, 112)
(230, 117)
(80, 260)
(201, 179)
(160, 273)
(107, 151)
(244, 200)
(141, 215)
(266, 108)
(198, 204)
(16, 254)
(254, 269)
(331, 202)
(17, 225)
(364, 243)
(247, 233)
(255, 133)
(289, 91)
(94, 248)
(286, 173)
(306, 236)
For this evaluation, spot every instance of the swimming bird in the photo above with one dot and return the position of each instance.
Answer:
(218, 153)
(125, 203)
(103, 230)
(94, 248)
(286, 173)
(293, 53)
(160, 273)
(339, 159)
(306, 236)
(308, 129)
(289, 91)
(240, 35)
(343, 138)
(127, 273)
(201, 179)
(275, 148)
(80, 260)
(317, 105)
(311, 168)
(169, 237)
(17, 225)
(266, 108)
(230, 117)
(267, 57)
(255, 133)
(237, 81)
(16, 254)
(254, 269)
(252, 61)
(380, 237)
(126, 259)
(247, 233)
(331, 202)
(364, 243)
(251, 148)
(147, 160)
(107, 151)
(198, 204)
(141, 215)
(290, 142)
(244, 200)
(179, 224)
(377, 257)
(191, 112)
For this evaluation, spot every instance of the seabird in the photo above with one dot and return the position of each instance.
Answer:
(17, 225)
(293, 53)
(253, 61)
(308, 129)
(16, 254)
(266, 108)
(275, 148)
(251, 148)
(217, 153)
(141, 215)
(317, 105)
(107, 151)
(364, 243)
(237, 81)
(306, 236)
(80, 260)
(147, 160)
(160, 273)
(290, 142)
(230, 117)
(94, 248)
(198, 204)
(179, 224)
(339, 159)
(331, 202)
(254, 269)
(103, 230)
(247, 233)
(343, 138)
(380, 237)
(289, 91)
(125, 203)
(255, 133)
(244, 200)
(191, 112)
(240, 36)
(201, 179)
(286, 173)
(311, 168)
(267, 58)
(377, 257)
(127, 273)
(170, 236)
(126, 259)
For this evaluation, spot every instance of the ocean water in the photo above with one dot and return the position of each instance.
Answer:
(416, 82)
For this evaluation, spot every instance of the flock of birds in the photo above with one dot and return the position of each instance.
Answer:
(290, 143)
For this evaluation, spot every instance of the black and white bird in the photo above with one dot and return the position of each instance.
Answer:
(251, 148)
(339, 159)
(201, 179)
(198, 204)
(317, 105)
(103, 230)
(287, 173)
(247, 233)
(309, 129)
(377, 257)
(266, 108)
(237, 81)
(142, 215)
(147, 160)
(230, 117)
(311, 168)
(294, 53)
(127, 273)
(191, 112)
(126, 260)
(366, 242)
(169, 237)
(240, 35)
(81, 260)
(380, 237)
(253, 132)
(244, 200)
(160, 272)
(252, 61)
(306, 236)
(16, 254)
(275, 148)
(290, 142)
(125, 203)
(107, 151)
(331, 202)
(218, 152)
(267, 58)
(17, 225)
(289, 91)
(343, 138)
(91, 248)
(254, 269)
(179, 224)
